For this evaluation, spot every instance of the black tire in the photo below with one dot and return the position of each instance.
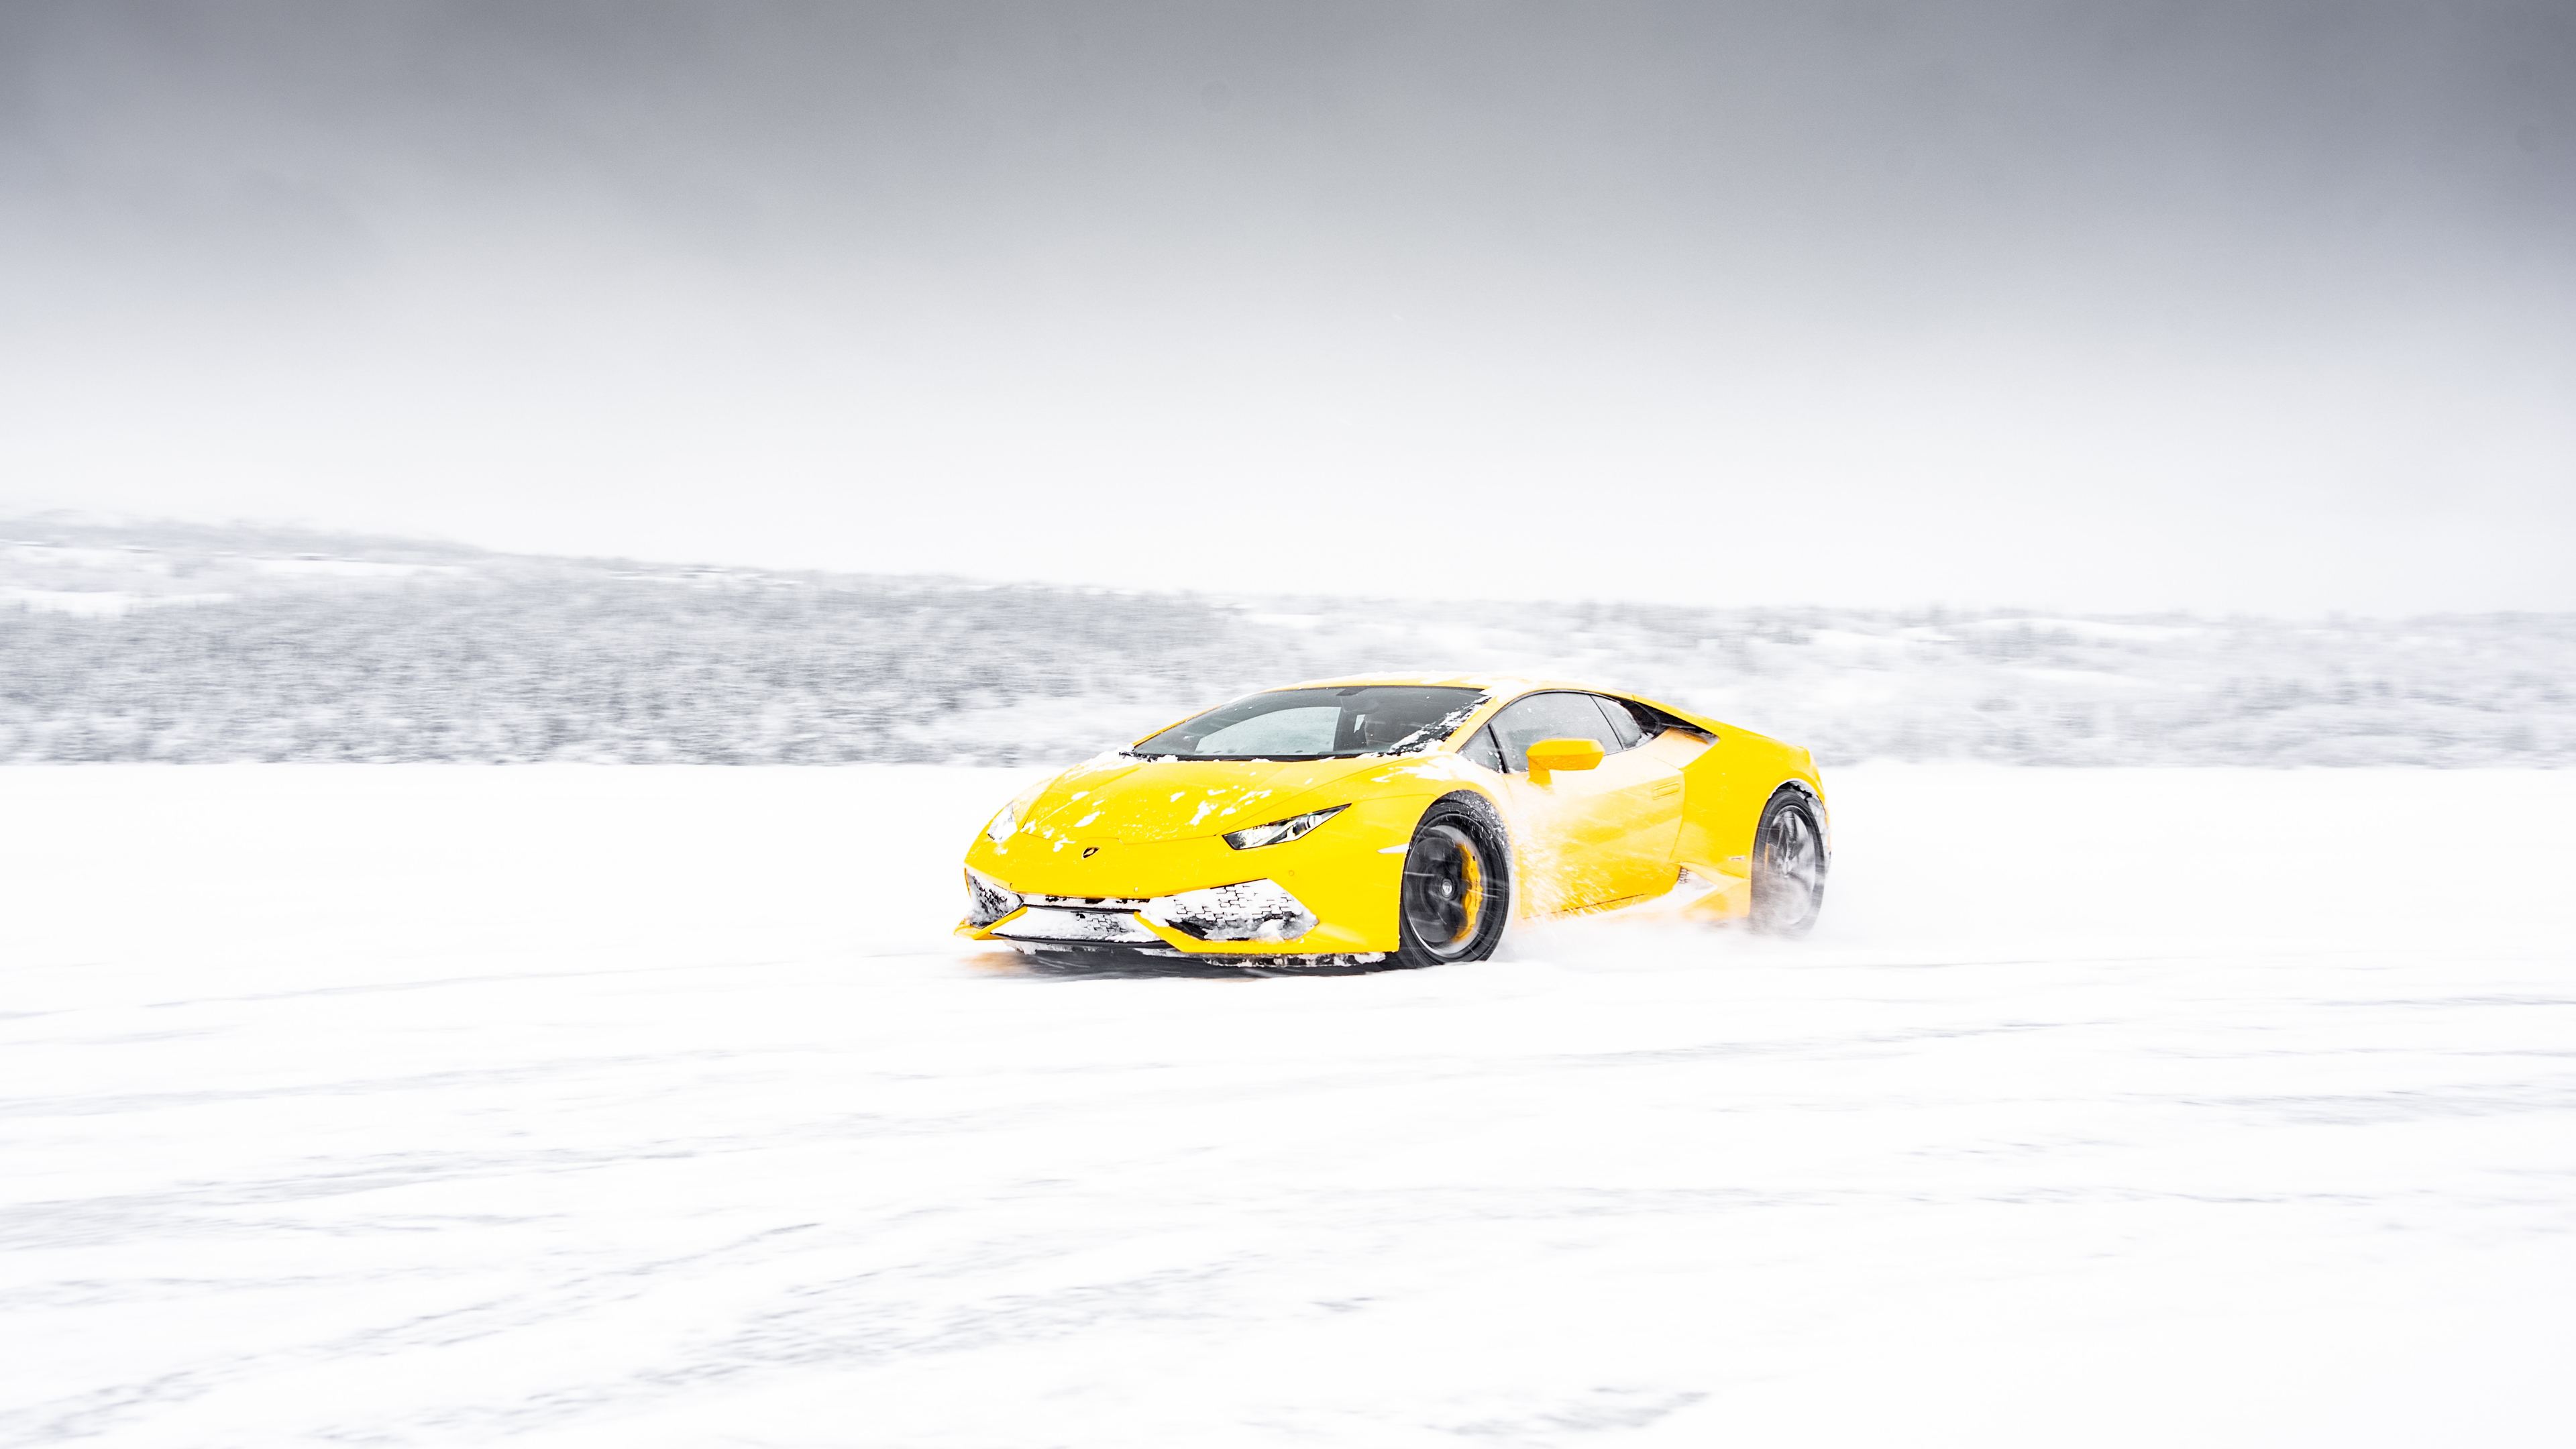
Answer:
(1457, 890)
(1789, 864)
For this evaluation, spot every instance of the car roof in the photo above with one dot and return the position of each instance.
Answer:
(1501, 686)
(1491, 683)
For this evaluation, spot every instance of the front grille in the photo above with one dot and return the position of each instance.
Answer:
(1088, 903)
(1055, 923)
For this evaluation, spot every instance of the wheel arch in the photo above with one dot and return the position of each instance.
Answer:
(1483, 800)
(1814, 798)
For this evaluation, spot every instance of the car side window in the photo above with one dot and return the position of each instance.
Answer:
(1483, 751)
(1552, 716)
(1623, 722)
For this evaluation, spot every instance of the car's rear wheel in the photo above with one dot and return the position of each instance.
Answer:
(1457, 890)
(1788, 866)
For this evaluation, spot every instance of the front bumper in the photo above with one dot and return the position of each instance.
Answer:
(1259, 912)
(1341, 882)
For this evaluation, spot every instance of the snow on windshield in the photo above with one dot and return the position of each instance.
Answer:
(1318, 722)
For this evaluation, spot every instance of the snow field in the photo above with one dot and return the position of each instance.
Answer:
(598, 1106)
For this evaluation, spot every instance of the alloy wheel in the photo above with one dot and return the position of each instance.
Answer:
(1792, 866)
(1444, 890)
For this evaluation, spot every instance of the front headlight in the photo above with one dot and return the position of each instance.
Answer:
(1278, 831)
(998, 829)
(1003, 824)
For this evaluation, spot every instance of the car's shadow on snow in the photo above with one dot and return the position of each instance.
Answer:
(1115, 965)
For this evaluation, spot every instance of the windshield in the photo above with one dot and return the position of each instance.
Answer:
(1319, 723)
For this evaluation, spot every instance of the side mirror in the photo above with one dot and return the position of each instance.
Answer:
(1546, 757)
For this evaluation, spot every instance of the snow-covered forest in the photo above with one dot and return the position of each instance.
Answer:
(182, 643)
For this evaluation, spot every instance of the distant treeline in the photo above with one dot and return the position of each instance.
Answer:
(609, 670)
(493, 658)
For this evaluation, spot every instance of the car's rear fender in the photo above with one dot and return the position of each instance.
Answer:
(1725, 790)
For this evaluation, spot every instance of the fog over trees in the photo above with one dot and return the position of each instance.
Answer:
(181, 643)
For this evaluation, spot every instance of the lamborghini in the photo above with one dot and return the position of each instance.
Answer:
(1401, 821)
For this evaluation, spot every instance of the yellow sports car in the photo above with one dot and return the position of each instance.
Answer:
(1353, 821)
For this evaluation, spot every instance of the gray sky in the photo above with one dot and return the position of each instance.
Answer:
(2101, 306)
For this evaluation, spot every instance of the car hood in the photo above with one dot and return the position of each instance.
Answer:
(1116, 798)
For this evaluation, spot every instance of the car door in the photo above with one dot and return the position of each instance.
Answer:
(1588, 837)
(1647, 770)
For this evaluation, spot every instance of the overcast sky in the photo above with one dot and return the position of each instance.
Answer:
(2120, 306)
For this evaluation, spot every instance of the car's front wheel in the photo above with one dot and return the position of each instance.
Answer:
(1457, 890)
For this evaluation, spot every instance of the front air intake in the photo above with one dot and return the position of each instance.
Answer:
(987, 900)
(1256, 910)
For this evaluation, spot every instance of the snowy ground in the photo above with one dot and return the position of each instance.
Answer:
(573, 1106)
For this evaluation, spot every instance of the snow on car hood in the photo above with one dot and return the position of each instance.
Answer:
(1117, 798)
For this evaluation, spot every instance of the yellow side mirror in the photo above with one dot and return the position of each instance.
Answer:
(1546, 757)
